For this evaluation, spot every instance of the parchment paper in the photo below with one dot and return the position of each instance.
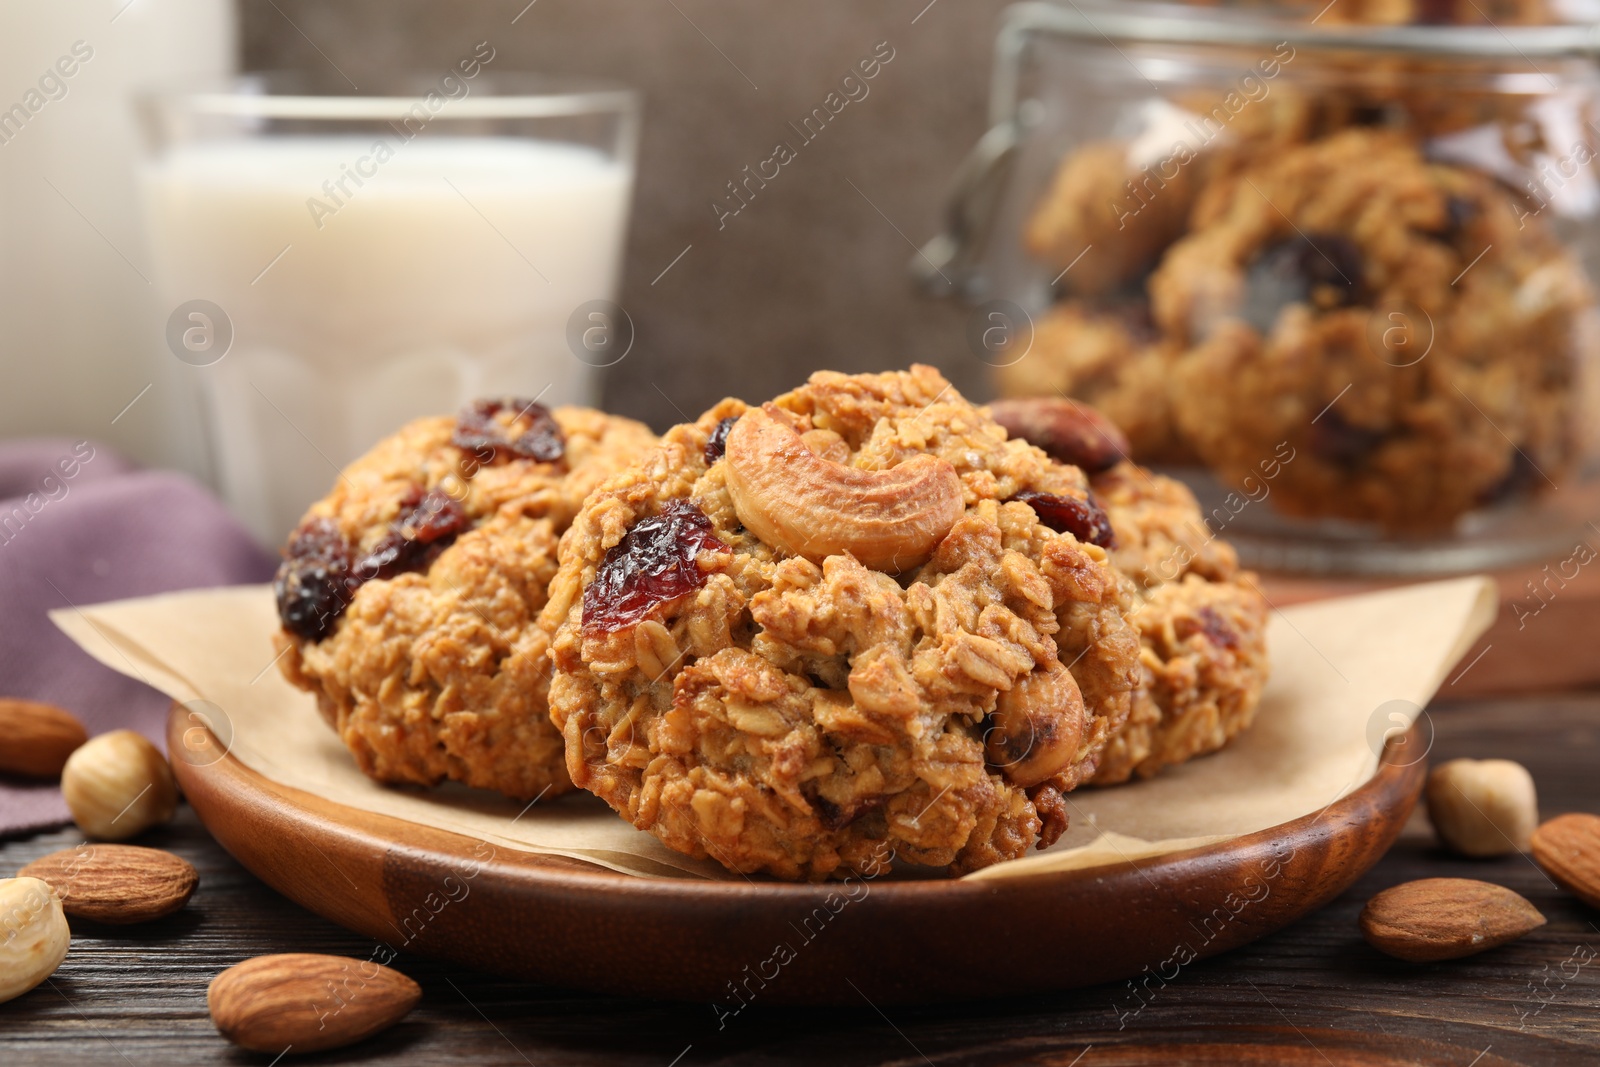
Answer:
(1344, 672)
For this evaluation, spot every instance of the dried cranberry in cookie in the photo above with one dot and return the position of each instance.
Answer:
(410, 595)
(874, 647)
(1082, 518)
(653, 567)
(498, 429)
(314, 583)
(428, 522)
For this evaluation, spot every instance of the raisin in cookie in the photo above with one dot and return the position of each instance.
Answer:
(410, 595)
(856, 621)
(1392, 320)
(1201, 622)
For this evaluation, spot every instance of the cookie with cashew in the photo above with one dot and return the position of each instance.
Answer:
(857, 622)
(409, 596)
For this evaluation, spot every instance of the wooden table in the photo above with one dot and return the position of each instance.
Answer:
(1312, 994)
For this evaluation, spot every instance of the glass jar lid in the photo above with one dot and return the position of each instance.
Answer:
(1123, 21)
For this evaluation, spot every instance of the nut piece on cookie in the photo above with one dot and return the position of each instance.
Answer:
(882, 629)
(1111, 358)
(807, 505)
(410, 595)
(1069, 432)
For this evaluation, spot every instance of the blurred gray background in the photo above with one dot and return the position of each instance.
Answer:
(810, 275)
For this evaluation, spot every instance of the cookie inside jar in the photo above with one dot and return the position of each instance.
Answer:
(1339, 280)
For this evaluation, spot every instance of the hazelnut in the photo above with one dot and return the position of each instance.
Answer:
(33, 935)
(1037, 727)
(118, 785)
(1483, 807)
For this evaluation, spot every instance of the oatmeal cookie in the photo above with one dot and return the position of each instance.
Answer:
(410, 594)
(855, 622)
(1403, 327)
(1100, 205)
(1201, 621)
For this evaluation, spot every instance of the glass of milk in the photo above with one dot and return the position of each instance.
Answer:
(332, 264)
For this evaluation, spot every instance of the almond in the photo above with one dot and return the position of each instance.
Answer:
(1067, 431)
(1445, 918)
(1568, 848)
(36, 739)
(307, 1002)
(116, 884)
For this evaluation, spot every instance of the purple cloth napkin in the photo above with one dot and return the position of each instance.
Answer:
(79, 525)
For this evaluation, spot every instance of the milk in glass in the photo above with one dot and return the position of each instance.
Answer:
(448, 272)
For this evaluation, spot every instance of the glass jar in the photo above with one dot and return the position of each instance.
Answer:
(1337, 276)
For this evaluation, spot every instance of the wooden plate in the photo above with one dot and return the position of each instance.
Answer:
(564, 922)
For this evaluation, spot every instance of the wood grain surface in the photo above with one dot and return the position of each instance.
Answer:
(552, 919)
(1542, 638)
(1314, 993)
